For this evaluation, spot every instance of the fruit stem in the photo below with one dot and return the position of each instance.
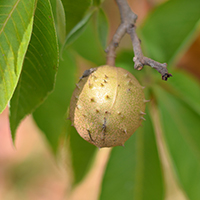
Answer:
(128, 20)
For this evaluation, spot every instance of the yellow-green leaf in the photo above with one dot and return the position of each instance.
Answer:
(39, 68)
(16, 21)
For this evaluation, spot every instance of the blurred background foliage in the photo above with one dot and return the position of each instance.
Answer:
(161, 159)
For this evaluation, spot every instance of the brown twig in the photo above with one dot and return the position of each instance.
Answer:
(128, 20)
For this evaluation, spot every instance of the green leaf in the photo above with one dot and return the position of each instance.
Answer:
(53, 6)
(75, 11)
(82, 154)
(102, 27)
(61, 23)
(51, 115)
(97, 2)
(16, 21)
(78, 29)
(170, 28)
(124, 59)
(89, 47)
(181, 132)
(187, 88)
(39, 68)
(134, 171)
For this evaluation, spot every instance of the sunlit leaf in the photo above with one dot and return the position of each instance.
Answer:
(134, 171)
(102, 27)
(170, 28)
(181, 132)
(16, 21)
(39, 68)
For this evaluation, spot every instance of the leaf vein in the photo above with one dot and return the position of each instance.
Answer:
(9, 16)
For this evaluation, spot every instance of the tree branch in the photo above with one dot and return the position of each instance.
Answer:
(128, 20)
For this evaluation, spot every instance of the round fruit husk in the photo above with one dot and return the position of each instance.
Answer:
(106, 106)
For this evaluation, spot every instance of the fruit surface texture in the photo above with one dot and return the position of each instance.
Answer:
(107, 106)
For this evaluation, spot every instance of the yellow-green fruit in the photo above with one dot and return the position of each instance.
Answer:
(107, 106)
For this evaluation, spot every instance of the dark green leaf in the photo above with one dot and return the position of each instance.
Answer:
(89, 47)
(181, 132)
(16, 22)
(53, 5)
(96, 2)
(60, 19)
(126, 56)
(187, 88)
(39, 69)
(78, 29)
(169, 29)
(124, 59)
(82, 154)
(134, 172)
(74, 12)
(102, 27)
(50, 116)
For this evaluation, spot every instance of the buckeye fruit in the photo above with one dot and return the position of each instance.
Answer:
(107, 106)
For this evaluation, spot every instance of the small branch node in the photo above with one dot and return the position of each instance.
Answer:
(128, 20)
(116, 44)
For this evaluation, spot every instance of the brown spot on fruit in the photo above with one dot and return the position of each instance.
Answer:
(107, 97)
(92, 99)
(107, 117)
